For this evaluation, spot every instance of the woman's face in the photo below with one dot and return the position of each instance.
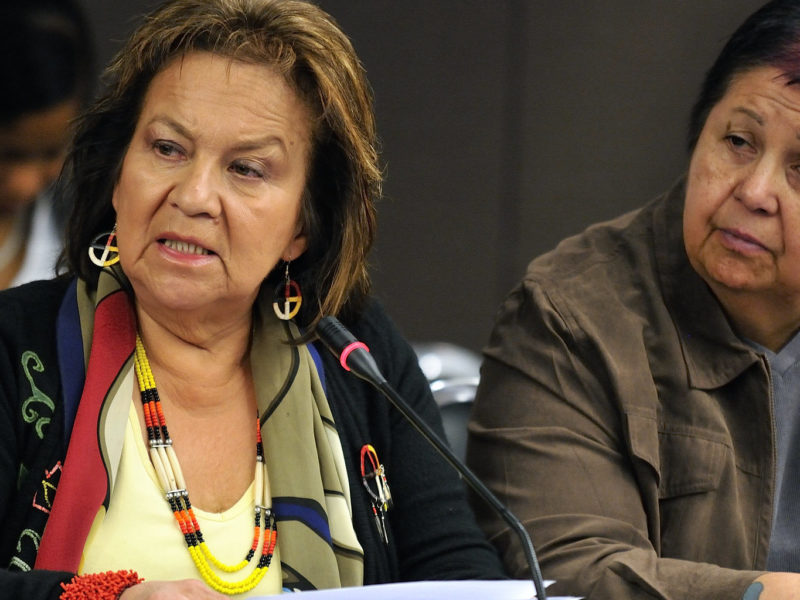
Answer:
(742, 217)
(32, 151)
(208, 198)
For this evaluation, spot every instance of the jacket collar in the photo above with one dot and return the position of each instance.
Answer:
(713, 353)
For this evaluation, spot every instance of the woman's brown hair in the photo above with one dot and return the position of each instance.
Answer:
(304, 44)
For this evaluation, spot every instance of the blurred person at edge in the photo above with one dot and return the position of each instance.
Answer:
(639, 404)
(223, 187)
(46, 59)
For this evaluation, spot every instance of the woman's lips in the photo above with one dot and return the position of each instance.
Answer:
(185, 250)
(741, 242)
(185, 247)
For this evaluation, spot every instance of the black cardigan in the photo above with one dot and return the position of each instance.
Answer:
(432, 532)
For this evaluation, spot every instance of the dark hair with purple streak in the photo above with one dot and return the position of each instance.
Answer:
(769, 37)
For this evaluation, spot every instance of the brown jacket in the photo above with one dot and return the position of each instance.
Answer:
(622, 420)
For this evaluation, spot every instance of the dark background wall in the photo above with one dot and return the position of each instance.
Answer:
(507, 125)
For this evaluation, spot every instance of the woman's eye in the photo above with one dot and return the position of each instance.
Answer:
(166, 149)
(737, 141)
(247, 170)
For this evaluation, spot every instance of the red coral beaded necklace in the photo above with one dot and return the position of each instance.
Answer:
(170, 476)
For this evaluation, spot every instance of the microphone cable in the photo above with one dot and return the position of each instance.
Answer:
(354, 356)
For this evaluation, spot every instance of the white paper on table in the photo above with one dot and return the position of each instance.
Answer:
(430, 590)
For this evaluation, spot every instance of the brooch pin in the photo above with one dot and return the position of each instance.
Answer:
(373, 476)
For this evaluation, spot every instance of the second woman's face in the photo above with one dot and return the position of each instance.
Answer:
(32, 150)
(209, 195)
(742, 215)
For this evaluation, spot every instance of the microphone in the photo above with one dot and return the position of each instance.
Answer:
(354, 356)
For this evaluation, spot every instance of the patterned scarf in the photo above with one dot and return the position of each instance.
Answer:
(311, 496)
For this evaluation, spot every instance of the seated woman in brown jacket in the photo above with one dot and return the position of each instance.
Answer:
(638, 402)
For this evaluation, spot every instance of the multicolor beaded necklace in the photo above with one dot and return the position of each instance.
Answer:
(168, 470)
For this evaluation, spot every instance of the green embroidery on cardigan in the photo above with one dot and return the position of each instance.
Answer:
(23, 473)
(18, 562)
(38, 397)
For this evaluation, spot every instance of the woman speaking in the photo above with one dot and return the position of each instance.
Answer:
(167, 429)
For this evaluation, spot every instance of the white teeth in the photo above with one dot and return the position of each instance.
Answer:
(185, 247)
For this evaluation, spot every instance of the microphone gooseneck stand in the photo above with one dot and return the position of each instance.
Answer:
(354, 356)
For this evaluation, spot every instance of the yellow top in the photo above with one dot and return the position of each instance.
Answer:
(140, 533)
